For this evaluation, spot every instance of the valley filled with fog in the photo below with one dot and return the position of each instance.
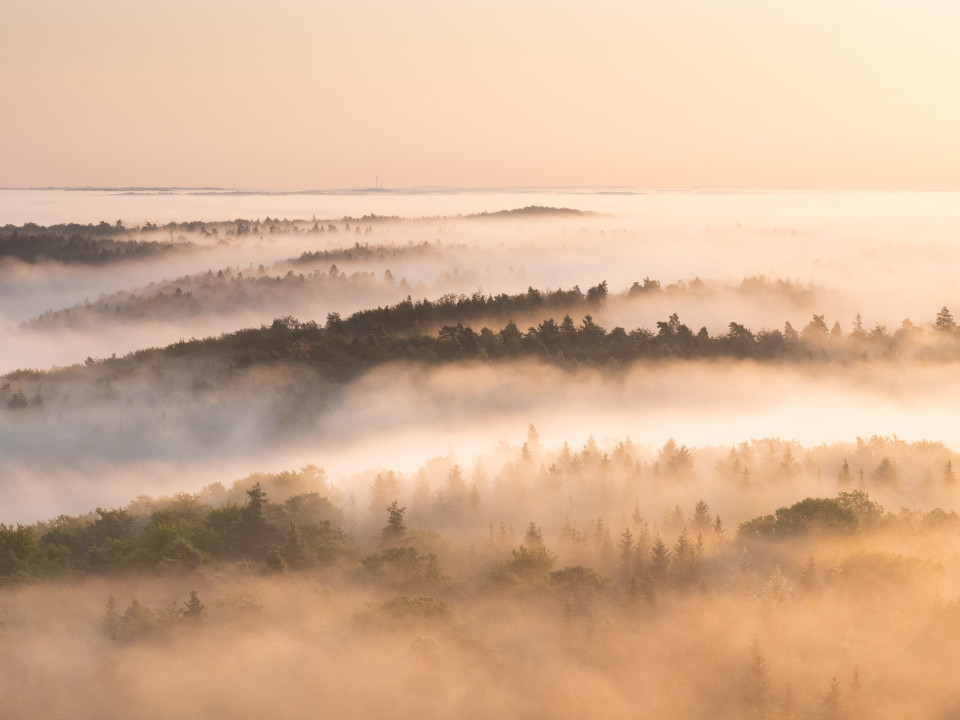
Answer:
(578, 451)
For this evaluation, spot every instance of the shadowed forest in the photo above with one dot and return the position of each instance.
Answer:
(673, 457)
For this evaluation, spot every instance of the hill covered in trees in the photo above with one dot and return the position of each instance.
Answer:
(610, 560)
(345, 347)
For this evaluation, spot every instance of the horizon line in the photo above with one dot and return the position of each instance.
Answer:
(441, 189)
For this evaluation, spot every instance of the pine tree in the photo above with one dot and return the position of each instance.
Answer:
(136, 621)
(193, 608)
(395, 531)
(294, 550)
(254, 529)
(659, 561)
(776, 590)
(844, 475)
(111, 620)
(683, 558)
(755, 691)
(944, 321)
(808, 576)
(626, 554)
(831, 707)
(701, 516)
(789, 707)
(676, 519)
(533, 537)
(949, 476)
(855, 701)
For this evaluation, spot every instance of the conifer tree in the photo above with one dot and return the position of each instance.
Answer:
(831, 707)
(395, 531)
(659, 561)
(193, 608)
(755, 691)
(701, 516)
(111, 620)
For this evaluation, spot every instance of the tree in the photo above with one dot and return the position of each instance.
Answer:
(684, 558)
(626, 553)
(526, 566)
(404, 569)
(854, 703)
(815, 329)
(112, 620)
(945, 322)
(843, 475)
(193, 608)
(533, 537)
(822, 515)
(386, 486)
(701, 517)
(808, 575)
(659, 561)
(790, 336)
(136, 621)
(597, 295)
(294, 549)
(886, 471)
(789, 709)
(755, 690)
(254, 529)
(831, 707)
(395, 531)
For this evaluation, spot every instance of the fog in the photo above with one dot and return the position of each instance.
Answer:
(566, 619)
(793, 625)
(887, 256)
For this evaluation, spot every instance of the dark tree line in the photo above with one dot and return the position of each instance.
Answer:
(83, 244)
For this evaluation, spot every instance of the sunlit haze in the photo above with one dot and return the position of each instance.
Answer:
(296, 94)
(464, 360)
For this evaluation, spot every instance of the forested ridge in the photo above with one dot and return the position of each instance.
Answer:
(81, 244)
(104, 242)
(299, 520)
(344, 347)
(571, 543)
(442, 563)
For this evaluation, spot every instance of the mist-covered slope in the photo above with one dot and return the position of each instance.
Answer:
(601, 565)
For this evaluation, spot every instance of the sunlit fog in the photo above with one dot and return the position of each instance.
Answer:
(517, 453)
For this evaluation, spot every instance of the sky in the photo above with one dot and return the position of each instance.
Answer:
(295, 94)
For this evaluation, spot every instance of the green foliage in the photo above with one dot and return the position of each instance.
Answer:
(403, 611)
(137, 622)
(80, 244)
(869, 514)
(403, 569)
(346, 347)
(528, 565)
(395, 531)
(822, 515)
(193, 609)
(576, 580)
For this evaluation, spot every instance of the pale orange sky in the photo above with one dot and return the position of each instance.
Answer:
(324, 94)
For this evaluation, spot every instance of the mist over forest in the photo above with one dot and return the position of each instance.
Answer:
(676, 454)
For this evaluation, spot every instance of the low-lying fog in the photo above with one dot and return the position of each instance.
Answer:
(887, 256)
(101, 446)
(761, 259)
(563, 547)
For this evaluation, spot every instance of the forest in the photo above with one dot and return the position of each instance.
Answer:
(660, 457)
(587, 562)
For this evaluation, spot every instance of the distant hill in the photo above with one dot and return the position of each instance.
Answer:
(532, 210)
